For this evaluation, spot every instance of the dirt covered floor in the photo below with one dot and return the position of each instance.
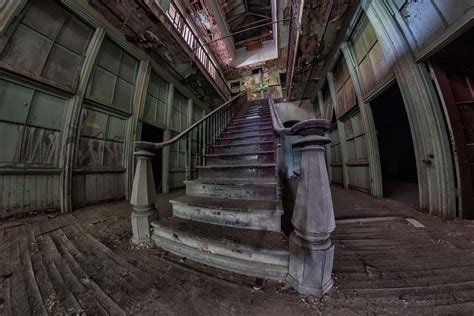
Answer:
(389, 259)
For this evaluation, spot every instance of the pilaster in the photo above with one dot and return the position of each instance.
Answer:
(165, 176)
(141, 87)
(73, 117)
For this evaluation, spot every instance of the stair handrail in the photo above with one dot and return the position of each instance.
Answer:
(278, 126)
(143, 195)
(152, 146)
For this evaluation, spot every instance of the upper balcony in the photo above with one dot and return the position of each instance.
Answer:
(196, 49)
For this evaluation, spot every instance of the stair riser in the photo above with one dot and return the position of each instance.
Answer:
(256, 132)
(247, 127)
(250, 268)
(252, 116)
(241, 159)
(230, 251)
(251, 192)
(243, 149)
(250, 220)
(254, 112)
(236, 173)
(253, 120)
(245, 140)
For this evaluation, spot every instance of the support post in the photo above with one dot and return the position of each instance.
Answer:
(143, 198)
(311, 250)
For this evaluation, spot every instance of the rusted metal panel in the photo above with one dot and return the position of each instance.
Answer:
(23, 193)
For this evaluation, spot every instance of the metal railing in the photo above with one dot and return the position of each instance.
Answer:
(204, 133)
(187, 34)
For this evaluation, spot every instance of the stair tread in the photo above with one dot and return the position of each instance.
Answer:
(259, 240)
(247, 136)
(249, 124)
(252, 115)
(241, 154)
(247, 165)
(249, 131)
(227, 204)
(235, 181)
(252, 143)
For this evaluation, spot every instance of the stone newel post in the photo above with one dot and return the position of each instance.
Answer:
(311, 250)
(143, 198)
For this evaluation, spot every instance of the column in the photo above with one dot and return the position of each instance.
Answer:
(143, 198)
(311, 250)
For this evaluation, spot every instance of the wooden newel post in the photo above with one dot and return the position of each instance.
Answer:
(143, 198)
(311, 250)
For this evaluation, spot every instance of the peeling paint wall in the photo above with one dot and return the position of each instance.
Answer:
(426, 20)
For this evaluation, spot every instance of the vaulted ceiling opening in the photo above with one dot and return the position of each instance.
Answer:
(250, 20)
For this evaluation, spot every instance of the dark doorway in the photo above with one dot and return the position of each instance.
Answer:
(454, 70)
(154, 134)
(397, 155)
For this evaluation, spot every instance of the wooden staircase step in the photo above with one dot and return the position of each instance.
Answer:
(242, 171)
(251, 189)
(255, 253)
(243, 148)
(234, 213)
(241, 158)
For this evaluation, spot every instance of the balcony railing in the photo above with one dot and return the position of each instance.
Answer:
(188, 35)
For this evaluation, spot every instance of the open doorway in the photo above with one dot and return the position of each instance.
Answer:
(154, 134)
(397, 154)
(454, 72)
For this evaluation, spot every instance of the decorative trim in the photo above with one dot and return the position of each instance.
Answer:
(29, 170)
(72, 121)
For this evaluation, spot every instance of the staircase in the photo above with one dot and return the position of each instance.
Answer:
(229, 217)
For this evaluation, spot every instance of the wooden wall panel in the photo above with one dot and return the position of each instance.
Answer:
(94, 188)
(359, 178)
(23, 193)
(374, 69)
(176, 179)
(336, 156)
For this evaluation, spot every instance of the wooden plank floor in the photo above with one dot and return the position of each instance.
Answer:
(83, 263)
